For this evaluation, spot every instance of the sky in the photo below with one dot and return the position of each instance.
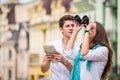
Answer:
(21, 1)
(1, 1)
(25, 1)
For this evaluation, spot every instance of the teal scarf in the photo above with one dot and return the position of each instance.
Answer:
(75, 74)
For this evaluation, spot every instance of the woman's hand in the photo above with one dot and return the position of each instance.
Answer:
(86, 41)
(77, 27)
(70, 44)
(89, 25)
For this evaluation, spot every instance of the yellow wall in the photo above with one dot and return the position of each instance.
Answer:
(36, 72)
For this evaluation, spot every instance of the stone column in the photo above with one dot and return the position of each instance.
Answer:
(118, 37)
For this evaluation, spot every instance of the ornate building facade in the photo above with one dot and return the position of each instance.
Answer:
(14, 56)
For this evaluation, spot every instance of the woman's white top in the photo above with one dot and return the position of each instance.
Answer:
(99, 59)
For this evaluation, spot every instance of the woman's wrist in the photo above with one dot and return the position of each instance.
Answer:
(75, 32)
(87, 31)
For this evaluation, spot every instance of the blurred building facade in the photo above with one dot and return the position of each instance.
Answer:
(14, 44)
(35, 24)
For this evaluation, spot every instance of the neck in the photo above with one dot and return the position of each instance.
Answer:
(92, 45)
(65, 40)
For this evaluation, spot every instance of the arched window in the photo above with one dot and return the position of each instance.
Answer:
(9, 75)
(10, 55)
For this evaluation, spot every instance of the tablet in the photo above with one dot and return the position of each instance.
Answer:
(49, 49)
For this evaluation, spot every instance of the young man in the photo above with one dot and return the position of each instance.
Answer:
(61, 69)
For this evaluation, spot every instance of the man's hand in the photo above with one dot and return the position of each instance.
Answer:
(61, 59)
(48, 58)
(46, 62)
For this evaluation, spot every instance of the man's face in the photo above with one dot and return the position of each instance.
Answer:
(67, 29)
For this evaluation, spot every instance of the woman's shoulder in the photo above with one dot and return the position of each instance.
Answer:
(103, 49)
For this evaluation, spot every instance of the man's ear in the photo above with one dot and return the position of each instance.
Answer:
(61, 30)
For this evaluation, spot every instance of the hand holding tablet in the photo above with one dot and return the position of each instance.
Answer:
(49, 49)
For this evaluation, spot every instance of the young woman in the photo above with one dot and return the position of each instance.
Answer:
(95, 55)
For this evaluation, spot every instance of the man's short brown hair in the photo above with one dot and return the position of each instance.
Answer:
(64, 18)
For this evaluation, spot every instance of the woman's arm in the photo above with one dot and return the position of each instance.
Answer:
(71, 41)
(85, 44)
(99, 54)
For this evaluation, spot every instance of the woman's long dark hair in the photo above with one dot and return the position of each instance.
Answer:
(102, 39)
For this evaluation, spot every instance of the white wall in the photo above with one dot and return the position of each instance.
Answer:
(22, 65)
(99, 10)
(36, 39)
(108, 18)
(9, 64)
(21, 11)
(1, 61)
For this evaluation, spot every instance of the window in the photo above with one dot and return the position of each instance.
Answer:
(34, 60)
(41, 77)
(32, 77)
(9, 75)
(10, 54)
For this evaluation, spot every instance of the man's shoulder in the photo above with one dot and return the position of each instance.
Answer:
(77, 43)
(58, 41)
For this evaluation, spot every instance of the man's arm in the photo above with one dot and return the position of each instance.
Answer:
(64, 61)
(68, 65)
(46, 63)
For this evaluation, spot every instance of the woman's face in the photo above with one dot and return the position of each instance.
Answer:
(93, 31)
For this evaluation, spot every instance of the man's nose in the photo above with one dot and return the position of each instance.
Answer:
(71, 27)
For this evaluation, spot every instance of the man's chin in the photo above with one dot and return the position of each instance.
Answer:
(69, 35)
